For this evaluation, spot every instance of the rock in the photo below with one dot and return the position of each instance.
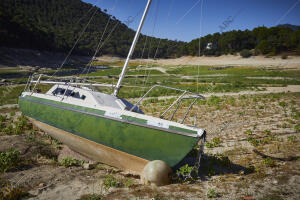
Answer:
(88, 166)
(42, 185)
(157, 173)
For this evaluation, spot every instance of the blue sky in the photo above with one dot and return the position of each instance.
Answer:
(171, 19)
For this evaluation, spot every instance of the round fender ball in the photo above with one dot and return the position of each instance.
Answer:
(156, 172)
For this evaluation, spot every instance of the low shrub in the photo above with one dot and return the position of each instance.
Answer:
(245, 53)
(9, 160)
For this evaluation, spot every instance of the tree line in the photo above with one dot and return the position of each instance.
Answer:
(55, 25)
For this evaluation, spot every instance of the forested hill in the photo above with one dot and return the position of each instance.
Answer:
(263, 40)
(55, 25)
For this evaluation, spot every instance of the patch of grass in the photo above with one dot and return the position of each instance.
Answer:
(8, 192)
(185, 170)
(291, 139)
(128, 182)
(111, 181)
(297, 128)
(253, 141)
(249, 132)
(211, 193)
(267, 131)
(269, 162)
(283, 104)
(68, 162)
(214, 143)
(9, 160)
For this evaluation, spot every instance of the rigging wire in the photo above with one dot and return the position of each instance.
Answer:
(108, 37)
(183, 16)
(98, 46)
(199, 50)
(287, 12)
(155, 14)
(69, 53)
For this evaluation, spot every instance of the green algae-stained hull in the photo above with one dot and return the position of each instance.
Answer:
(144, 142)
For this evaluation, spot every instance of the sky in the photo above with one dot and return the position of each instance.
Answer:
(183, 20)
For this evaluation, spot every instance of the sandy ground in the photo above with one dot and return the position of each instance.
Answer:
(11, 57)
(291, 62)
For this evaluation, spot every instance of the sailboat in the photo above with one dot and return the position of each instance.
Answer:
(107, 128)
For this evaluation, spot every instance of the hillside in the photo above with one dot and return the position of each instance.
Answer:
(56, 24)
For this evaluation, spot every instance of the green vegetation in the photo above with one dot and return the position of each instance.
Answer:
(215, 143)
(9, 160)
(9, 94)
(55, 25)
(185, 170)
(211, 193)
(68, 162)
(269, 162)
(111, 181)
(245, 53)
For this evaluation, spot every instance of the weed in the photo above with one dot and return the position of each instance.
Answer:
(185, 170)
(2, 118)
(128, 183)
(211, 193)
(283, 104)
(13, 113)
(68, 162)
(261, 107)
(9, 160)
(297, 128)
(13, 193)
(215, 143)
(295, 115)
(211, 171)
(291, 139)
(249, 132)
(268, 132)
(8, 130)
(269, 162)
(284, 125)
(111, 181)
(293, 102)
(253, 141)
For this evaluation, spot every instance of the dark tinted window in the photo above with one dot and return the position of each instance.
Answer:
(71, 93)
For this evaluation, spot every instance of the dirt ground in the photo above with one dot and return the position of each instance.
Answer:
(252, 152)
(234, 60)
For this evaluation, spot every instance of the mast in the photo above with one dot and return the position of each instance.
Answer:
(137, 34)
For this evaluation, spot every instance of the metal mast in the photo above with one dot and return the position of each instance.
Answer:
(137, 34)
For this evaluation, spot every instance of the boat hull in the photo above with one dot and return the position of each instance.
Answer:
(95, 151)
(127, 136)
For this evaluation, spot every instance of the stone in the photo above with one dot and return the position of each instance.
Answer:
(156, 173)
(42, 185)
(88, 166)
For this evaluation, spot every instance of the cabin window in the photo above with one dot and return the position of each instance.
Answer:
(62, 91)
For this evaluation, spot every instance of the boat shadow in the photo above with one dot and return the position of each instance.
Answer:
(212, 165)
